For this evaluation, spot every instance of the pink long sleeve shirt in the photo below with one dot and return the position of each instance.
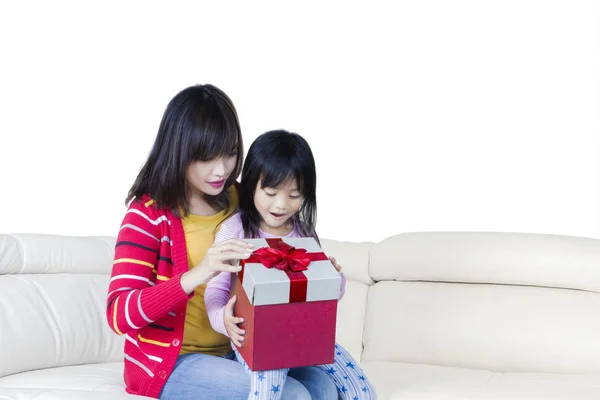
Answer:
(218, 290)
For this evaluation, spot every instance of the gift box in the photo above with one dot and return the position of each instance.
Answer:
(287, 293)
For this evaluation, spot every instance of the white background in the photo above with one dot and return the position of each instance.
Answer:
(423, 115)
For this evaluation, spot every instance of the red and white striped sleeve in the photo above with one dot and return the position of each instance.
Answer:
(137, 294)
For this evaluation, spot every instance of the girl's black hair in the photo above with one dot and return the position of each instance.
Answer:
(274, 158)
(199, 124)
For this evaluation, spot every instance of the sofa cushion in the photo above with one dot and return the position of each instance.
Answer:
(395, 380)
(499, 258)
(58, 320)
(99, 377)
(54, 254)
(62, 394)
(53, 302)
(93, 381)
(353, 257)
(402, 381)
(494, 327)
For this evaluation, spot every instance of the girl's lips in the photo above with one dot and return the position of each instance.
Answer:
(217, 184)
(277, 216)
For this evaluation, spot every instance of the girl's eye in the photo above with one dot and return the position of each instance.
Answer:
(270, 194)
(294, 196)
(233, 153)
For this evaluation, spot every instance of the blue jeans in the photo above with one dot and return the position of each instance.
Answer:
(201, 376)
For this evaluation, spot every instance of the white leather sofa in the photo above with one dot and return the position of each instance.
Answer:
(429, 316)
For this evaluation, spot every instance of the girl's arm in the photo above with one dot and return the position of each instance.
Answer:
(218, 289)
(338, 267)
(216, 296)
(343, 288)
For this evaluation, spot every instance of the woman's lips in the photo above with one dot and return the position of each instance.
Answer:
(217, 184)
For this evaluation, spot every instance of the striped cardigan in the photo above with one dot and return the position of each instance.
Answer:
(145, 300)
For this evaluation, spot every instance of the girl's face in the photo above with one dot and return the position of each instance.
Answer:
(277, 205)
(208, 177)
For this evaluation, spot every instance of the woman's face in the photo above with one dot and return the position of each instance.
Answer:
(208, 177)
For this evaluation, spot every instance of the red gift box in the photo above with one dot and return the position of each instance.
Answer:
(287, 293)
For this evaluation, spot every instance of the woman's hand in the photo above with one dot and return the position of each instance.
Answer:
(236, 334)
(214, 262)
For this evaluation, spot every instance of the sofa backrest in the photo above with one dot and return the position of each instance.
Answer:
(52, 302)
(502, 302)
(496, 301)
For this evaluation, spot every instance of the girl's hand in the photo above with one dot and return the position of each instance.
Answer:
(236, 334)
(214, 262)
(337, 266)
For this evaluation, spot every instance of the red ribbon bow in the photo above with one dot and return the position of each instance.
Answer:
(289, 259)
(284, 257)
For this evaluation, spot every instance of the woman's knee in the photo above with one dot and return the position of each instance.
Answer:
(214, 377)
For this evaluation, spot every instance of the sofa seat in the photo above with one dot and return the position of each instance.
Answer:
(394, 381)
(404, 381)
(60, 394)
(91, 381)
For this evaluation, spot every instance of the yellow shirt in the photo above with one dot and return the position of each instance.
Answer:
(198, 334)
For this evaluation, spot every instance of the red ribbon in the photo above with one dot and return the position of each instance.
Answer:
(289, 259)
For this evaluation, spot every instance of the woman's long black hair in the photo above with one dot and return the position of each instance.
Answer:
(199, 124)
(273, 159)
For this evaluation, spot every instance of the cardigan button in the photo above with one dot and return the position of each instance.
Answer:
(162, 374)
(176, 342)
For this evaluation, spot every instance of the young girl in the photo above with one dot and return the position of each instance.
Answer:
(165, 255)
(277, 199)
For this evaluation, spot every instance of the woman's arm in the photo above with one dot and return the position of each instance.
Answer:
(137, 296)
